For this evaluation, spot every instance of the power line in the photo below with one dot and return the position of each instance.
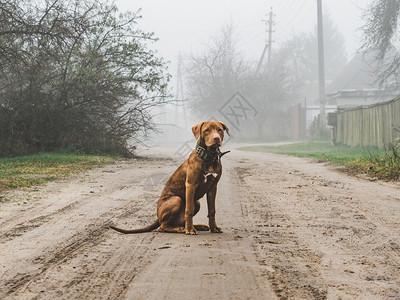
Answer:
(294, 9)
(298, 10)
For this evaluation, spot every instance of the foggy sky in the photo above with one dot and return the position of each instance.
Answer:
(185, 25)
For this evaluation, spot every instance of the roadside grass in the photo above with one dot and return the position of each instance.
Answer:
(36, 169)
(379, 163)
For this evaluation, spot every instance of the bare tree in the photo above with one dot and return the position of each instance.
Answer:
(271, 91)
(381, 36)
(213, 76)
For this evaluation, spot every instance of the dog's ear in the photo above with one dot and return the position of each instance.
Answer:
(196, 130)
(225, 128)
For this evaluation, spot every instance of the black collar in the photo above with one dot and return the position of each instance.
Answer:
(208, 156)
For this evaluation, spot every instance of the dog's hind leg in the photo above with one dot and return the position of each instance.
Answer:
(171, 215)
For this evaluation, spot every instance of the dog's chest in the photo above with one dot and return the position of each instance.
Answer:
(211, 174)
(209, 178)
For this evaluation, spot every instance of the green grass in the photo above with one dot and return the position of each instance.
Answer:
(323, 151)
(25, 171)
(376, 162)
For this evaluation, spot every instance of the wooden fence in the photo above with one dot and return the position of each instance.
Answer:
(371, 125)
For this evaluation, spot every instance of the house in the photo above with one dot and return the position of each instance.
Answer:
(357, 84)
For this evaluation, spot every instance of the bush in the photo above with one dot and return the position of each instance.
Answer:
(75, 74)
(387, 165)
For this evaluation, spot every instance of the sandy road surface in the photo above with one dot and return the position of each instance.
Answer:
(293, 229)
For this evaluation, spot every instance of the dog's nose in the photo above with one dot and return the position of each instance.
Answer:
(217, 139)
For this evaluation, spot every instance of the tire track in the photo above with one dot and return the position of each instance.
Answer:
(43, 267)
(28, 225)
(325, 234)
(290, 265)
(77, 246)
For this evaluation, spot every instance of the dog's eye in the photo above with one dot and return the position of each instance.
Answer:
(219, 129)
(206, 130)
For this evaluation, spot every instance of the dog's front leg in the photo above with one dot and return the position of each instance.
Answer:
(211, 194)
(189, 210)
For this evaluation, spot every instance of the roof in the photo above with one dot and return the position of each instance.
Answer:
(359, 74)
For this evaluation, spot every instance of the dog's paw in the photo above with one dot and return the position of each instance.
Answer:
(191, 231)
(216, 229)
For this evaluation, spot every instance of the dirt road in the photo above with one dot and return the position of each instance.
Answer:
(293, 229)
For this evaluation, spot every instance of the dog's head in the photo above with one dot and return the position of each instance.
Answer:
(211, 132)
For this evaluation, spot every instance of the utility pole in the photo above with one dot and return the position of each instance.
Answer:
(321, 66)
(270, 24)
(268, 44)
(179, 93)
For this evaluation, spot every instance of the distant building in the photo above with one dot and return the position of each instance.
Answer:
(357, 84)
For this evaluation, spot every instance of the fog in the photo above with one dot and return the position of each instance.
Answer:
(184, 26)
(190, 29)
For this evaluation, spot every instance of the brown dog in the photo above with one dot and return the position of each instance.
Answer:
(197, 176)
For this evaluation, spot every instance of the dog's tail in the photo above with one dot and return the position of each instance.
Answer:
(149, 228)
